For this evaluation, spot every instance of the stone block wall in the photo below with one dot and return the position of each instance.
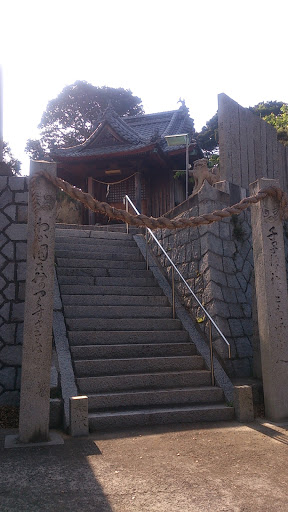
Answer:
(13, 229)
(217, 262)
(248, 146)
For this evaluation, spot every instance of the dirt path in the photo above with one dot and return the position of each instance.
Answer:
(232, 468)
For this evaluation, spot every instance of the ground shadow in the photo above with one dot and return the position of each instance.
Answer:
(50, 478)
(271, 431)
(160, 429)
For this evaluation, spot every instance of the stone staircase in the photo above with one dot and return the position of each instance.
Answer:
(134, 361)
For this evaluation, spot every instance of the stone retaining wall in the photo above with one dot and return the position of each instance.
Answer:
(217, 262)
(13, 219)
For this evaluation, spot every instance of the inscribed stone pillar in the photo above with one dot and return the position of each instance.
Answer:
(37, 338)
(272, 300)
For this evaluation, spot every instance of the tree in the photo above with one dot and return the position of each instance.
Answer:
(35, 150)
(276, 114)
(264, 109)
(273, 112)
(280, 122)
(70, 118)
(208, 137)
(10, 164)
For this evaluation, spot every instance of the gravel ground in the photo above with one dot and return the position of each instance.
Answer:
(224, 467)
(9, 416)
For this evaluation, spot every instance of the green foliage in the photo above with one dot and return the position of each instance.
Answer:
(280, 123)
(266, 108)
(11, 163)
(70, 118)
(208, 137)
(181, 175)
(276, 114)
(35, 150)
(214, 159)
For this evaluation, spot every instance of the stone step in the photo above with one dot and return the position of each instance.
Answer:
(107, 281)
(132, 350)
(142, 381)
(96, 367)
(105, 263)
(68, 289)
(91, 244)
(112, 312)
(116, 228)
(123, 324)
(160, 416)
(136, 363)
(89, 232)
(104, 272)
(208, 394)
(114, 300)
(78, 338)
(103, 254)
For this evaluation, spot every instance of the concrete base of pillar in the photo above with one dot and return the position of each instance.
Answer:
(79, 425)
(12, 441)
(243, 404)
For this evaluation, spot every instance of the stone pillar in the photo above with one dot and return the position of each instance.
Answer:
(272, 300)
(37, 338)
(138, 191)
(1, 116)
(243, 403)
(79, 423)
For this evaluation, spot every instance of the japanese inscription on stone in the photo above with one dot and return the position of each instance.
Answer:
(37, 340)
(271, 218)
(40, 280)
(272, 299)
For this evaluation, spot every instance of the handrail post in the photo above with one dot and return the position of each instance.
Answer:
(147, 255)
(127, 210)
(211, 354)
(173, 293)
(174, 268)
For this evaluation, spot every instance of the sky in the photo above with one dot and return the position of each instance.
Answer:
(160, 50)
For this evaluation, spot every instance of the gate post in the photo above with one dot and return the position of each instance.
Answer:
(38, 317)
(272, 299)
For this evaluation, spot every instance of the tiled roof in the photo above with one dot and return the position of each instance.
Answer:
(115, 134)
(89, 153)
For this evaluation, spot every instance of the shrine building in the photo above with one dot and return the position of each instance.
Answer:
(130, 155)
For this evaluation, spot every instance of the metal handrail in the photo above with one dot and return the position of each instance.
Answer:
(127, 201)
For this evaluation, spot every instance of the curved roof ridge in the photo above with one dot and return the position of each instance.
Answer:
(141, 116)
(133, 132)
(121, 127)
(169, 130)
(110, 117)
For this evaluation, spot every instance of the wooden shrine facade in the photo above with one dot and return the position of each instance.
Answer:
(129, 155)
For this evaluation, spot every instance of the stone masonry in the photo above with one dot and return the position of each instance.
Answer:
(217, 262)
(13, 219)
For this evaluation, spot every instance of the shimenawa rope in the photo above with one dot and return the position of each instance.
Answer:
(159, 222)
